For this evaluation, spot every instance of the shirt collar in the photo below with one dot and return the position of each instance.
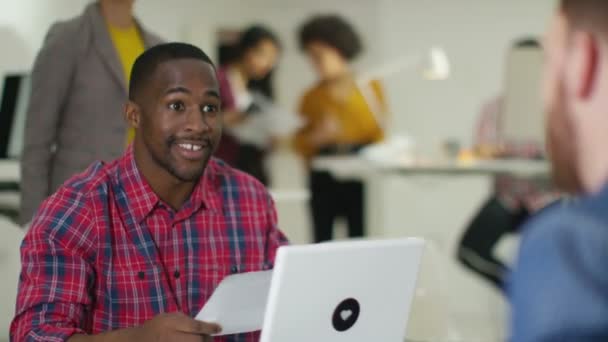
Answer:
(140, 196)
(206, 194)
(143, 200)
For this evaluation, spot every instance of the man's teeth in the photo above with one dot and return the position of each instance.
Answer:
(191, 147)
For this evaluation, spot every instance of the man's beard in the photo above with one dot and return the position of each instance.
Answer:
(561, 143)
(166, 161)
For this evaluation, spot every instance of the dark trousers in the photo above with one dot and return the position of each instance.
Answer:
(476, 249)
(330, 199)
(245, 157)
(250, 159)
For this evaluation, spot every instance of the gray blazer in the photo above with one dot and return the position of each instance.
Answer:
(75, 113)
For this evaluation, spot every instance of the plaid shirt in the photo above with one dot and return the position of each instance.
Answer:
(106, 253)
(514, 192)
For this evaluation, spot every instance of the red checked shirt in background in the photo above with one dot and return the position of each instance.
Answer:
(514, 193)
(105, 253)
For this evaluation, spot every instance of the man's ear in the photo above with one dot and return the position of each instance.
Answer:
(586, 50)
(133, 114)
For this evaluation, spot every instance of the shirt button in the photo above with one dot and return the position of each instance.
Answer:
(141, 275)
(176, 274)
(234, 269)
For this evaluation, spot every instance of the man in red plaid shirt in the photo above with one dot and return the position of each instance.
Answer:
(131, 250)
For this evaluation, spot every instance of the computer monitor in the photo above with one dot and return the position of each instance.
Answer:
(13, 106)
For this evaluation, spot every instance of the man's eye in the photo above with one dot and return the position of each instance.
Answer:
(210, 109)
(177, 106)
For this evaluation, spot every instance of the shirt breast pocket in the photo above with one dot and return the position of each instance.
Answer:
(134, 293)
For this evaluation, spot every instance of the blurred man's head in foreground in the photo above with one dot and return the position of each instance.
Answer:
(575, 94)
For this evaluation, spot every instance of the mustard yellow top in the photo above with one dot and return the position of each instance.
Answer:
(359, 116)
(129, 45)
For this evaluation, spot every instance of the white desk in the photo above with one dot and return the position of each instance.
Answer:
(376, 176)
(358, 167)
(451, 178)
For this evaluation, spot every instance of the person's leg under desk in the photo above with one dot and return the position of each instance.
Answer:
(353, 196)
(323, 205)
(476, 249)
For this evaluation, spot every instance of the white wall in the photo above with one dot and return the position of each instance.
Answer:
(23, 25)
(284, 17)
(475, 33)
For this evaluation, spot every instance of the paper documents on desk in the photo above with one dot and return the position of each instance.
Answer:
(238, 303)
(396, 149)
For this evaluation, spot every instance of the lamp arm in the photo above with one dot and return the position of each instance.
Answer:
(391, 68)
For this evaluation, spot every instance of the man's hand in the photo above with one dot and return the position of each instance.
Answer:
(168, 327)
(176, 327)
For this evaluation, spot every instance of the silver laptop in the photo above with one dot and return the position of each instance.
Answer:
(342, 291)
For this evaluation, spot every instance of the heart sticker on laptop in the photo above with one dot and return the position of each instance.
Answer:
(346, 314)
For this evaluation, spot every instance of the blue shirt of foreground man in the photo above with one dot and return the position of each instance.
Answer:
(559, 289)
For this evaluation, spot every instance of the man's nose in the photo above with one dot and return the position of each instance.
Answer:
(196, 121)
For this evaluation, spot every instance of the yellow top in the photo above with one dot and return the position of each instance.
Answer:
(359, 116)
(129, 45)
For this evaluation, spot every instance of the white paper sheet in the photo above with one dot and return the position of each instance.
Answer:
(238, 303)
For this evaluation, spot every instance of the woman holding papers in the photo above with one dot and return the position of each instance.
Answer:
(248, 132)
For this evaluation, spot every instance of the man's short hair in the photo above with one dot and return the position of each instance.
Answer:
(587, 14)
(145, 65)
(333, 31)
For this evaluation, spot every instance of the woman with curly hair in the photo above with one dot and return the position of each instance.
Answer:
(341, 116)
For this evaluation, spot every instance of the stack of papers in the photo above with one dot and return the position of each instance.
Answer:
(239, 303)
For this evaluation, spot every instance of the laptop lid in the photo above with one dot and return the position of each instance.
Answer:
(342, 291)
